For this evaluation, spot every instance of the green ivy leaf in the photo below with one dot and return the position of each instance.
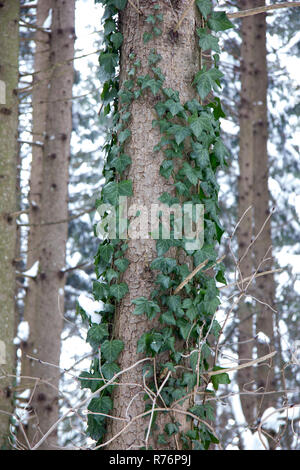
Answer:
(118, 290)
(219, 378)
(166, 265)
(88, 380)
(208, 41)
(180, 132)
(110, 350)
(147, 37)
(124, 135)
(120, 163)
(96, 335)
(113, 190)
(205, 7)
(122, 264)
(109, 61)
(117, 39)
(218, 21)
(146, 306)
(119, 4)
(109, 370)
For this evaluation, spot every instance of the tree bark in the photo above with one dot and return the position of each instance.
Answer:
(54, 206)
(9, 38)
(264, 288)
(39, 110)
(245, 377)
(180, 62)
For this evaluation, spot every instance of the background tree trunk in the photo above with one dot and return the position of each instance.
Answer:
(180, 62)
(264, 287)
(245, 200)
(54, 209)
(9, 38)
(39, 110)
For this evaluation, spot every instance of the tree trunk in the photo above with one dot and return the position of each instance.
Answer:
(245, 376)
(39, 111)
(54, 226)
(264, 287)
(180, 61)
(9, 38)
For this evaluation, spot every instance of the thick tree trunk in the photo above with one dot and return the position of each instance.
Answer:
(264, 288)
(39, 111)
(54, 208)
(180, 61)
(245, 376)
(9, 39)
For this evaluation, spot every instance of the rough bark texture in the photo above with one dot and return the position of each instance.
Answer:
(39, 110)
(54, 207)
(9, 38)
(245, 200)
(180, 61)
(264, 288)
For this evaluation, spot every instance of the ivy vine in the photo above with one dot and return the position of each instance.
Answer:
(193, 151)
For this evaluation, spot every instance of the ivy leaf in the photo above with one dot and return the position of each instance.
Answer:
(220, 151)
(172, 94)
(174, 302)
(189, 380)
(109, 61)
(96, 335)
(87, 380)
(168, 318)
(119, 4)
(109, 370)
(122, 264)
(166, 168)
(101, 405)
(202, 123)
(172, 428)
(146, 306)
(111, 274)
(205, 7)
(191, 173)
(163, 245)
(206, 80)
(109, 27)
(219, 378)
(180, 132)
(118, 290)
(218, 21)
(124, 135)
(174, 107)
(100, 290)
(208, 41)
(166, 265)
(104, 255)
(113, 190)
(184, 327)
(201, 155)
(182, 188)
(165, 281)
(117, 39)
(154, 85)
(120, 163)
(110, 350)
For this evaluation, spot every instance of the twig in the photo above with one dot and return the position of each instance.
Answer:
(278, 270)
(256, 11)
(242, 366)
